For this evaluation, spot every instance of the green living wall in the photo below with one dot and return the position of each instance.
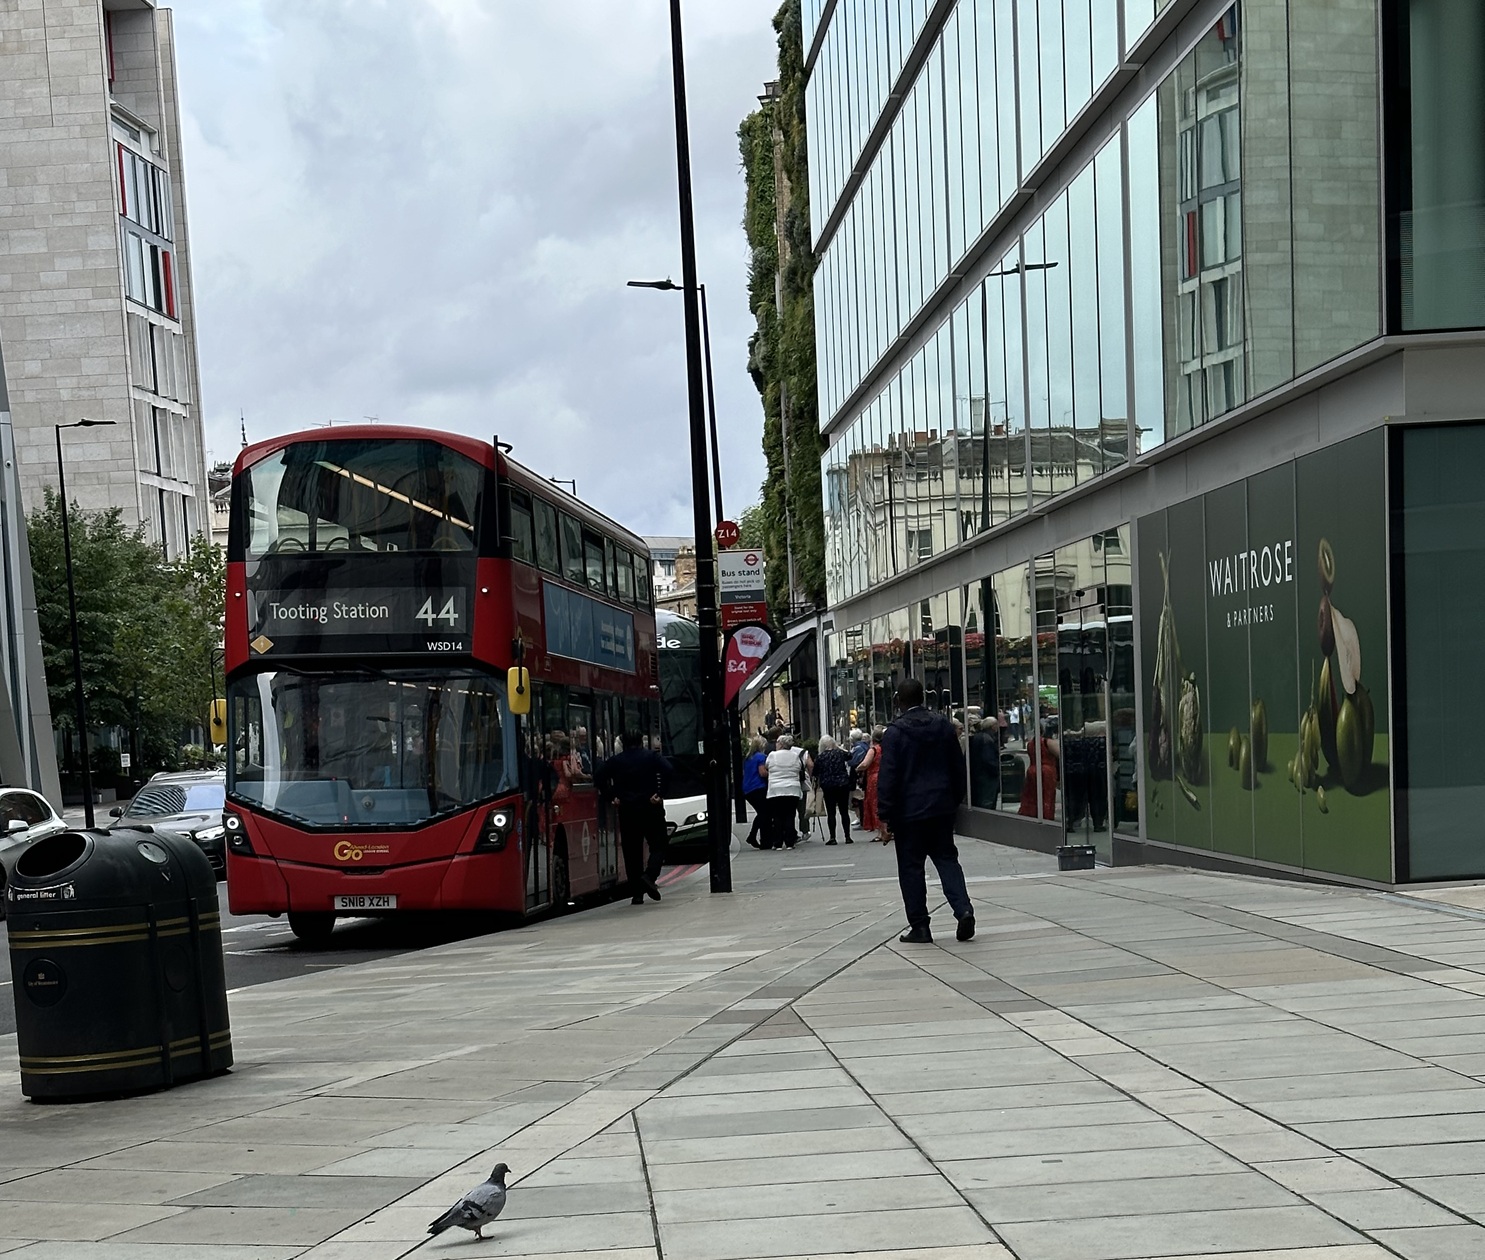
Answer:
(782, 351)
(1264, 680)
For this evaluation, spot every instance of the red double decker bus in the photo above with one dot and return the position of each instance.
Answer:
(381, 584)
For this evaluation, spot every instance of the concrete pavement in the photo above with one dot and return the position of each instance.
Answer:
(1123, 1064)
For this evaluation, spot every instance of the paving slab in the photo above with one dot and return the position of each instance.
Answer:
(1175, 1234)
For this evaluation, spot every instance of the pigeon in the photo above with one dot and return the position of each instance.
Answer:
(477, 1208)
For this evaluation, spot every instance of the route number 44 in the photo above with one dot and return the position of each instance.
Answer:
(446, 613)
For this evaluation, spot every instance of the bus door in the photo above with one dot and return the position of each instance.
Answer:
(580, 817)
(551, 750)
(607, 740)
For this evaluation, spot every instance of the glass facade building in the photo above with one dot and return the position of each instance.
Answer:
(1149, 340)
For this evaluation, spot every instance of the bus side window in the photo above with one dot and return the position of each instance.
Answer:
(593, 561)
(547, 551)
(611, 567)
(626, 575)
(580, 726)
(522, 540)
(572, 551)
(642, 581)
(605, 738)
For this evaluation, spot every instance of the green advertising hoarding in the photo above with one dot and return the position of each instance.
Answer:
(1263, 623)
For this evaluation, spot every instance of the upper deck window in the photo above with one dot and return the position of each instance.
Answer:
(362, 495)
(548, 554)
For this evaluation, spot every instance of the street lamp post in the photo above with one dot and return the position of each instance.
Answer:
(731, 716)
(77, 668)
(719, 828)
(670, 286)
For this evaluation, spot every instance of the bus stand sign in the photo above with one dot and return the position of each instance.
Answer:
(740, 585)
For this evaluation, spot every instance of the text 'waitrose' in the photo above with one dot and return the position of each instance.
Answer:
(1253, 570)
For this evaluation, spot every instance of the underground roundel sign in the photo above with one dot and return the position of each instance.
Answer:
(745, 652)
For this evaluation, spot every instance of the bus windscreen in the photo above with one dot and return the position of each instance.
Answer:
(370, 748)
(362, 496)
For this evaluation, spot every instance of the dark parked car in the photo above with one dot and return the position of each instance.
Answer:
(188, 804)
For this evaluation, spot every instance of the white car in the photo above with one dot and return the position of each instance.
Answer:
(24, 816)
(685, 817)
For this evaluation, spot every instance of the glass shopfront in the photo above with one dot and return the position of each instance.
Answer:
(1438, 575)
(1035, 665)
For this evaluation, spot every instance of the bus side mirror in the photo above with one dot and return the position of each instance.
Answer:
(518, 683)
(219, 723)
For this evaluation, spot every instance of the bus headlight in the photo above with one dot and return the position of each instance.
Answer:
(497, 831)
(236, 831)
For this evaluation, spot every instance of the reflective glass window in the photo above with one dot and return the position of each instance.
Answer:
(1087, 400)
(1145, 274)
(1440, 224)
(1029, 65)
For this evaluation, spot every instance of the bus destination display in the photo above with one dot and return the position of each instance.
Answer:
(407, 619)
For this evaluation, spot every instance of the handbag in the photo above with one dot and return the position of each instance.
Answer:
(816, 807)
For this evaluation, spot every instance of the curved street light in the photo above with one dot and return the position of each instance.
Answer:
(77, 669)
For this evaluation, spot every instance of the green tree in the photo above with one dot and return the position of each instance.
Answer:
(781, 293)
(752, 526)
(148, 628)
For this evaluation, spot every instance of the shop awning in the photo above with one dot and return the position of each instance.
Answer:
(773, 665)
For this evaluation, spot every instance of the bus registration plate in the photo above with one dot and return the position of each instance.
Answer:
(367, 901)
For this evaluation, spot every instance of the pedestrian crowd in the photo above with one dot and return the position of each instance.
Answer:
(906, 782)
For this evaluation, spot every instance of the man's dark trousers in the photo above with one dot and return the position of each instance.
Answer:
(640, 821)
(916, 842)
(659, 838)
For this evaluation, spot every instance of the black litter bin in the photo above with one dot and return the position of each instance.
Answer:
(116, 955)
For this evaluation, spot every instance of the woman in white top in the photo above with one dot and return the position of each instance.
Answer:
(786, 770)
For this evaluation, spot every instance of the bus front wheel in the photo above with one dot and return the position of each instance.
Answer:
(311, 928)
(561, 879)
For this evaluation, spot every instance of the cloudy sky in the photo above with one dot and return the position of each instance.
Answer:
(426, 210)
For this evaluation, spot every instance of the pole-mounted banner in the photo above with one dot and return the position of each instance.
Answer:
(745, 652)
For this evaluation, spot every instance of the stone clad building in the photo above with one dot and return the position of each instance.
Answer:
(96, 304)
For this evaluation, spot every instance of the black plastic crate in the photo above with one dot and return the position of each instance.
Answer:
(1076, 857)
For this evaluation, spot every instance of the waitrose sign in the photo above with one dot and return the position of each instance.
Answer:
(1250, 572)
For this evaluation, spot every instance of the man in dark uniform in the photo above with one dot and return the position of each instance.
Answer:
(919, 788)
(635, 781)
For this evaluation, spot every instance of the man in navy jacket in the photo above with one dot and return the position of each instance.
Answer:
(635, 782)
(919, 788)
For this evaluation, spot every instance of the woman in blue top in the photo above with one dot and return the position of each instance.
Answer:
(755, 786)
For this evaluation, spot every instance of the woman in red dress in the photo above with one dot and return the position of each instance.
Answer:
(1048, 752)
(870, 764)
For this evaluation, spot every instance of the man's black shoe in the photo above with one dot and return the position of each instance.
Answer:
(966, 930)
(638, 901)
(917, 936)
(651, 890)
(832, 840)
(849, 840)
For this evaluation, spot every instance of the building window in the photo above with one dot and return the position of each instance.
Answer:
(144, 194)
(149, 277)
(1438, 226)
